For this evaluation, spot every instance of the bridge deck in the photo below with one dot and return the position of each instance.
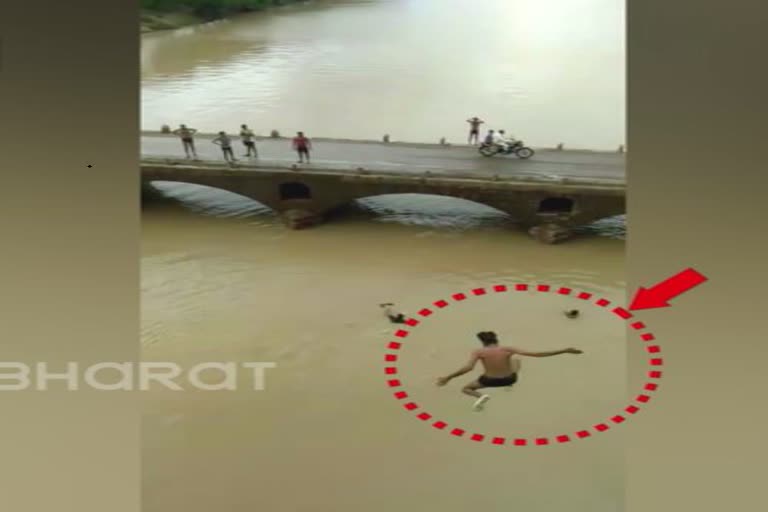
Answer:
(408, 159)
(159, 169)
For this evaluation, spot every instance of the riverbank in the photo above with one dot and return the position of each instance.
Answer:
(173, 14)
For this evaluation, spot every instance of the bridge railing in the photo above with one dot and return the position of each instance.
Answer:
(387, 140)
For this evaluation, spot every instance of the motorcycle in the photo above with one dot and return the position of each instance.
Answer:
(516, 147)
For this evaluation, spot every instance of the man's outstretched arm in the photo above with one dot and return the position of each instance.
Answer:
(442, 381)
(548, 354)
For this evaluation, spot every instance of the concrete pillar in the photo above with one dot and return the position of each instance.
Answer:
(300, 219)
(550, 233)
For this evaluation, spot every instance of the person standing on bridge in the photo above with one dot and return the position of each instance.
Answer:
(247, 136)
(302, 145)
(474, 129)
(187, 139)
(225, 142)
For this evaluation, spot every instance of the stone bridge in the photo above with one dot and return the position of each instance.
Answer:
(548, 206)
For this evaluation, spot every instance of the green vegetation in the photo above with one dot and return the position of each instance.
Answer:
(208, 9)
(171, 14)
(153, 20)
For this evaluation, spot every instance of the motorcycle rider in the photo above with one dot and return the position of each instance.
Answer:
(501, 141)
(510, 140)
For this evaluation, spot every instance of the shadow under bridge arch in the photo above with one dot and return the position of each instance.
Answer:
(292, 190)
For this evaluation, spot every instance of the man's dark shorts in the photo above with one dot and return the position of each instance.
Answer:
(497, 382)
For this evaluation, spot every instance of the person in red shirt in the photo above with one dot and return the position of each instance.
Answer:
(302, 145)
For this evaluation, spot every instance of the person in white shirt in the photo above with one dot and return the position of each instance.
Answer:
(247, 136)
(225, 142)
(508, 138)
(501, 141)
(508, 141)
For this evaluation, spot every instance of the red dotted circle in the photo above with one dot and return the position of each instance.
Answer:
(651, 347)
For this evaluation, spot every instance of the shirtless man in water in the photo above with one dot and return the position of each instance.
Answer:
(501, 370)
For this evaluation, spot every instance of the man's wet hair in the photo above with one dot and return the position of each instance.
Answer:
(488, 338)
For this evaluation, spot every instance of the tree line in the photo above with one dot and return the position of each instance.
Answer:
(210, 9)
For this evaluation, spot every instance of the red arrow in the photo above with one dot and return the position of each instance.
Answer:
(657, 296)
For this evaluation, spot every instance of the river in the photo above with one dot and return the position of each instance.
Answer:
(223, 280)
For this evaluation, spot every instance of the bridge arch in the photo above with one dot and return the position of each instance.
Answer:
(294, 190)
(208, 196)
(439, 204)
